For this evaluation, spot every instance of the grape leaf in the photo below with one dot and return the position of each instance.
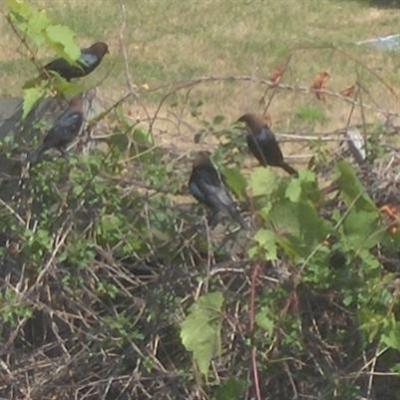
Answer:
(263, 181)
(236, 181)
(264, 320)
(362, 229)
(266, 239)
(231, 389)
(31, 97)
(200, 331)
(299, 226)
(63, 39)
(352, 190)
(293, 190)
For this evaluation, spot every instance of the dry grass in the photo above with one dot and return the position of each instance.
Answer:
(174, 41)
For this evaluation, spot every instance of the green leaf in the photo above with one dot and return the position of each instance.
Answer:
(19, 7)
(31, 97)
(231, 389)
(263, 181)
(142, 136)
(69, 89)
(218, 119)
(307, 176)
(120, 141)
(264, 320)
(36, 26)
(63, 39)
(284, 218)
(12, 5)
(313, 229)
(264, 212)
(30, 21)
(200, 331)
(236, 181)
(299, 226)
(391, 337)
(352, 190)
(293, 190)
(396, 368)
(266, 239)
(304, 187)
(362, 230)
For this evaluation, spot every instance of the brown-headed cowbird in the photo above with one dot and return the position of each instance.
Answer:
(262, 143)
(207, 185)
(89, 59)
(64, 130)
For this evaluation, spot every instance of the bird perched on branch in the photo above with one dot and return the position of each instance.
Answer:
(89, 59)
(207, 185)
(64, 130)
(262, 143)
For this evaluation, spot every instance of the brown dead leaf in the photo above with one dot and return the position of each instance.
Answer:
(349, 92)
(277, 75)
(392, 213)
(275, 78)
(319, 84)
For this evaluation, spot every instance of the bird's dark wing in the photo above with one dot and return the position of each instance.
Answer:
(203, 182)
(64, 130)
(219, 196)
(215, 197)
(196, 191)
(207, 186)
(265, 147)
(58, 65)
(65, 69)
(69, 119)
(85, 64)
(256, 149)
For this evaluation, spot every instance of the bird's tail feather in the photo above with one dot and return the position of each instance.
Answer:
(36, 155)
(232, 213)
(235, 214)
(290, 170)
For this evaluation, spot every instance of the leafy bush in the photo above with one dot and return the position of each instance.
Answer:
(112, 288)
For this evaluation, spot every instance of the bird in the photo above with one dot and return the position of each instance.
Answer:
(263, 144)
(207, 186)
(88, 60)
(64, 130)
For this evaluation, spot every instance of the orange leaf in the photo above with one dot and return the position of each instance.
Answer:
(349, 92)
(277, 75)
(392, 211)
(319, 83)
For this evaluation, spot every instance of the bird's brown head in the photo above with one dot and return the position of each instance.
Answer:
(201, 158)
(76, 103)
(99, 48)
(253, 122)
